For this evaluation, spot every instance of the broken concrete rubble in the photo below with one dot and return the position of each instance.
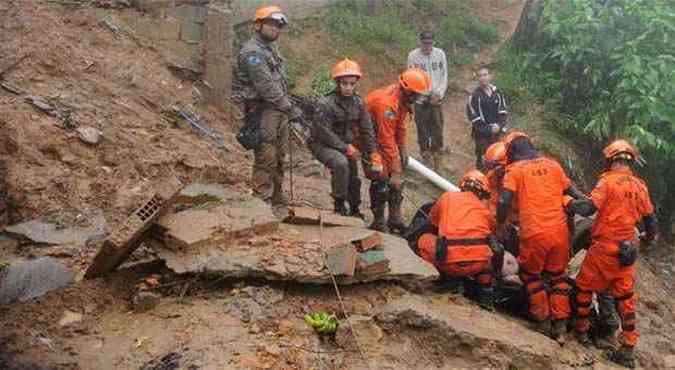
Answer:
(369, 239)
(127, 236)
(312, 216)
(294, 253)
(22, 281)
(234, 216)
(341, 260)
(41, 232)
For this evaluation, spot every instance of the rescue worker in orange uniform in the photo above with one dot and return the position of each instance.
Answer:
(461, 248)
(389, 108)
(536, 185)
(621, 200)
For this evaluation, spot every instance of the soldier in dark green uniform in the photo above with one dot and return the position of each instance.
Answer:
(259, 89)
(341, 134)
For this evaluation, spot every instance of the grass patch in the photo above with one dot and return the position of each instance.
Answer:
(383, 34)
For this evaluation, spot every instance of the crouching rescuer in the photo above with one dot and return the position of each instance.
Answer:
(621, 200)
(341, 134)
(464, 247)
(390, 107)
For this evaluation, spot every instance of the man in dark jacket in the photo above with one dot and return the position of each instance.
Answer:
(486, 110)
(341, 133)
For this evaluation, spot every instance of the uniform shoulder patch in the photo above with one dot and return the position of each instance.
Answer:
(253, 60)
(389, 114)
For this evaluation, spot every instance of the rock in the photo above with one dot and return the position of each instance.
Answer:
(144, 301)
(367, 333)
(312, 216)
(69, 318)
(295, 253)
(89, 135)
(493, 340)
(22, 281)
(42, 232)
(231, 218)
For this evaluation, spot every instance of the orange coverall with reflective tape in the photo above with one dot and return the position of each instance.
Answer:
(538, 185)
(622, 199)
(389, 116)
(460, 215)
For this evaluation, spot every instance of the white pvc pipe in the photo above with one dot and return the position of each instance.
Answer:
(432, 176)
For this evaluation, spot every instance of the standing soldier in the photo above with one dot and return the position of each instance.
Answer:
(341, 120)
(621, 200)
(389, 107)
(486, 111)
(260, 90)
(429, 115)
(536, 185)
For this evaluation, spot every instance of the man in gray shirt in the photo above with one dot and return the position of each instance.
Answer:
(429, 115)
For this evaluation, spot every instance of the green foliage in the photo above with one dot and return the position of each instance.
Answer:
(383, 35)
(321, 84)
(610, 67)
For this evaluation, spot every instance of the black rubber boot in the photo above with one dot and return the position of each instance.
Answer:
(485, 297)
(396, 223)
(378, 199)
(622, 356)
(544, 327)
(583, 338)
(340, 207)
(559, 331)
(354, 209)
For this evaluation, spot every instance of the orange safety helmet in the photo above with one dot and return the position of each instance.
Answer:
(511, 137)
(416, 80)
(475, 180)
(270, 12)
(620, 149)
(496, 153)
(346, 67)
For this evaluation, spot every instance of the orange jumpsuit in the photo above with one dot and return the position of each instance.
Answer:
(389, 116)
(538, 185)
(622, 200)
(461, 218)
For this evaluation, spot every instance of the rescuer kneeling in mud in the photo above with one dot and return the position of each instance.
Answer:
(621, 200)
(261, 92)
(341, 134)
(463, 247)
(535, 185)
(390, 107)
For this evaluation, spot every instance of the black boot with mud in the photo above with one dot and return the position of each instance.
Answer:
(622, 356)
(340, 207)
(583, 338)
(559, 331)
(449, 285)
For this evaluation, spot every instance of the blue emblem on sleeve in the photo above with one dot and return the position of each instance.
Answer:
(253, 60)
(389, 114)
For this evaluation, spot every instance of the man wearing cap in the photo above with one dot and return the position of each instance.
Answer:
(261, 92)
(428, 115)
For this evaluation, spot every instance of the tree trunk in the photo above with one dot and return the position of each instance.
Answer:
(527, 33)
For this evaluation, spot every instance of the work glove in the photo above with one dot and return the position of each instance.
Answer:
(628, 253)
(403, 153)
(376, 163)
(494, 128)
(352, 153)
(583, 207)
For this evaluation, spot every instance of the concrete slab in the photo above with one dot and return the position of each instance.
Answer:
(21, 281)
(41, 232)
(293, 253)
(232, 217)
(312, 216)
